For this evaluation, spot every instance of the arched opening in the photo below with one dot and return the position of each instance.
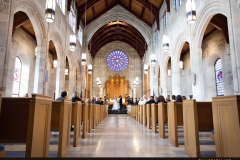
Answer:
(215, 45)
(169, 79)
(185, 71)
(67, 73)
(23, 51)
(52, 70)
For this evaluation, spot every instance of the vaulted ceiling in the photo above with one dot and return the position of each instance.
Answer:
(117, 31)
(145, 10)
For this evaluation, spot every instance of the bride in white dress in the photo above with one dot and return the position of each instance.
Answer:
(116, 105)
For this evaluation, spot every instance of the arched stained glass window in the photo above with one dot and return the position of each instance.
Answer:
(17, 77)
(117, 61)
(61, 4)
(219, 78)
(80, 34)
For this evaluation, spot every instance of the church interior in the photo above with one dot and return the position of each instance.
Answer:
(119, 78)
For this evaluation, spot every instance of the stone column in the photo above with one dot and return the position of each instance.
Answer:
(234, 41)
(6, 23)
(60, 79)
(163, 85)
(40, 67)
(176, 81)
(72, 81)
(196, 69)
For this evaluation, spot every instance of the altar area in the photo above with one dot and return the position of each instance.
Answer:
(116, 86)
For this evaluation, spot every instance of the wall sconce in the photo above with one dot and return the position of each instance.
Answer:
(55, 64)
(72, 46)
(136, 80)
(134, 84)
(145, 69)
(165, 43)
(89, 69)
(191, 11)
(99, 83)
(50, 11)
(98, 80)
(181, 64)
(169, 72)
(66, 71)
(153, 59)
(84, 57)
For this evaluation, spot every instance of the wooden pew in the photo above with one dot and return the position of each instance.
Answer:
(162, 118)
(27, 120)
(141, 114)
(61, 122)
(148, 108)
(94, 116)
(226, 112)
(0, 99)
(85, 119)
(90, 118)
(175, 119)
(154, 113)
(76, 121)
(197, 117)
(144, 115)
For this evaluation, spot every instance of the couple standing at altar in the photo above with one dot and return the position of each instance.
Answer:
(117, 104)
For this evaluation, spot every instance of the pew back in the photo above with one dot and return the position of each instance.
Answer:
(226, 111)
(27, 120)
(76, 121)
(154, 113)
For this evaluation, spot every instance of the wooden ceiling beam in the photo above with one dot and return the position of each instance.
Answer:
(153, 9)
(130, 4)
(93, 10)
(222, 27)
(143, 10)
(102, 12)
(168, 5)
(135, 14)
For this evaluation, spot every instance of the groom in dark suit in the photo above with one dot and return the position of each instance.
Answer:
(120, 102)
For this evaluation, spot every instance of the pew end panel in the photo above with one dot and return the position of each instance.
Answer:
(85, 119)
(39, 126)
(77, 116)
(175, 119)
(162, 118)
(226, 111)
(148, 108)
(154, 113)
(61, 118)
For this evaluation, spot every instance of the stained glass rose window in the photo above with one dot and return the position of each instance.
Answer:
(117, 61)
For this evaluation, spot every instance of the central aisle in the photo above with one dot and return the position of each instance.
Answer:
(119, 135)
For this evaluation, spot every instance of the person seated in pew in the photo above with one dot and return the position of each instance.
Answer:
(63, 96)
(184, 98)
(179, 98)
(173, 98)
(161, 99)
(151, 100)
(99, 101)
(143, 100)
(75, 97)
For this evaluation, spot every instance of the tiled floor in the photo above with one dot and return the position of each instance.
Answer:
(122, 136)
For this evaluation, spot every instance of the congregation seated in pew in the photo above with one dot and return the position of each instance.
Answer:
(63, 96)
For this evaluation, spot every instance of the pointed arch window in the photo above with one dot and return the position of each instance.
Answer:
(61, 4)
(80, 34)
(17, 77)
(72, 16)
(155, 37)
(219, 77)
(165, 20)
(178, 3)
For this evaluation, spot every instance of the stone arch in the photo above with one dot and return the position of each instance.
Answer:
(35, 17)
(55, 37)
(179, 43)
(125, 16)
(205, 15)
(165, 61)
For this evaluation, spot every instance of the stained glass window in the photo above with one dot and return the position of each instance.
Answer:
(165, 20)
(178, 3)
(61, 4)
(17, 77)
(72, 16)
(219, 78)
(80, 34)
(117, 61)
